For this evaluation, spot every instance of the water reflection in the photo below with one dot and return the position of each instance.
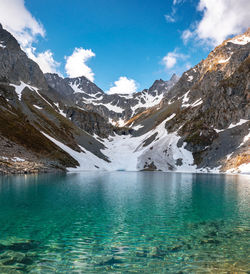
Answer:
(133, 221)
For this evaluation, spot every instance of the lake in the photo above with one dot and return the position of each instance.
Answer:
(124, 222)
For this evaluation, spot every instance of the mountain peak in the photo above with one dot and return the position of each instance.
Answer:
(241, 39)
(174, 78)
(15, 64)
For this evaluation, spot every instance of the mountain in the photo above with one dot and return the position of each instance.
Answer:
(28, 114)
(209, 111)
(116, 108)
(196, 123)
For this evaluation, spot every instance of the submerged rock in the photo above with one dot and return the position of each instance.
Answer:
(20, 246)
(158, 252)
(110, 262)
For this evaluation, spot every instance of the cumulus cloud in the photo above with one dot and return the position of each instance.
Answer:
(76, 63)
(16, 19)
(221, 18)
(44, 59)
(123, 86)
(19, 21)
(170, 60)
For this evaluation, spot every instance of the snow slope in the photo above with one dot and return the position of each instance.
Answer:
(129, 153)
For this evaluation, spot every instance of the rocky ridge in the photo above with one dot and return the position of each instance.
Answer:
(116, 108)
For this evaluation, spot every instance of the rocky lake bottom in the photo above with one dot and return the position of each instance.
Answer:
(125, 222)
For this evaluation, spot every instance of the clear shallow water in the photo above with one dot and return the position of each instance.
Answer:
(124, 222)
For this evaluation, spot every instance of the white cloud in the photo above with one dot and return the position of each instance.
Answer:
(170, 60)
(44, 59)
(16, 19)
(170, 18)
(76, 63)
(221, 18)
(123, 86)
(177, 2)
(186, 35)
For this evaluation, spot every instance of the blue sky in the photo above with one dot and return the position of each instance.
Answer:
(128, 38)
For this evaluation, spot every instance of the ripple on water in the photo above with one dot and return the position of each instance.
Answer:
(124, 222)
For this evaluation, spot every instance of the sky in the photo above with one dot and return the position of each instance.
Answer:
(123, 46)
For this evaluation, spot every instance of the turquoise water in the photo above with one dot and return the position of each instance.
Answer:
(124, 222)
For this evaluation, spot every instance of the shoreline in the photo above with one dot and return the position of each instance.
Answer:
(60, 171)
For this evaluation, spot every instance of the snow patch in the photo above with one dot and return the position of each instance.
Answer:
(60, 111)
(137, 127)
(222, 61)
(242, 40)
(164, 151)
(245, 139)
(146, 100)
(21, 87)
(218, 130)
(17, 159)
(76, 88)
(121, 151)
(185, 99)
(214, 170)
(37, 107)
(112, 122)
(111, 107)
(244, 168)
(86, 160)
(2, 45)
(229, 155)
(170, 117)
(197, 103)
(242, 121)
(4, 158)
(120, 123)
(14, 159)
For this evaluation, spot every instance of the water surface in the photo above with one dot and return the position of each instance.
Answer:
(124, 222)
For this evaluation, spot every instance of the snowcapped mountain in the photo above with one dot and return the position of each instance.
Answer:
(198, 123)
(116, 108)
(210, 111)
